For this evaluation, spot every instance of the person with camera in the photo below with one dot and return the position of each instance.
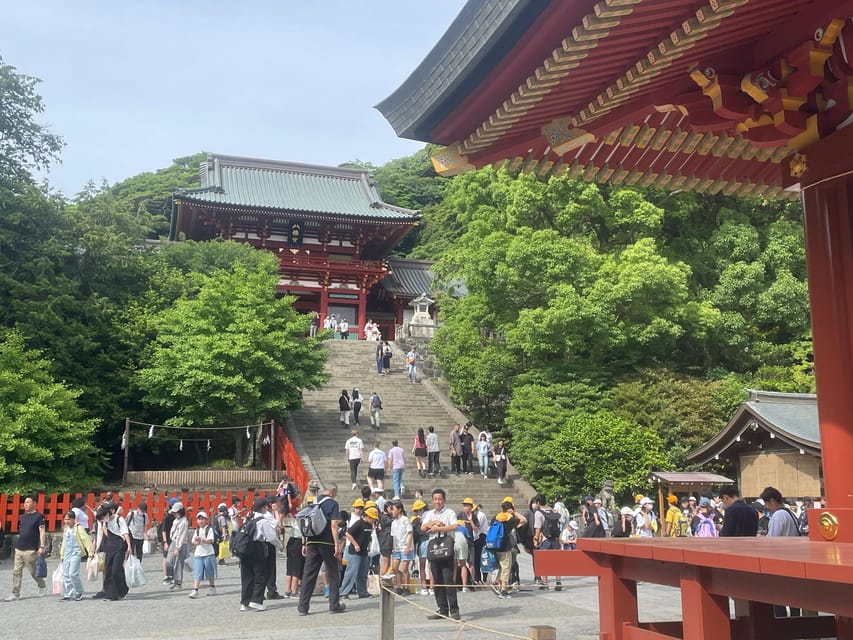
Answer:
(115, 543)
(441, 521)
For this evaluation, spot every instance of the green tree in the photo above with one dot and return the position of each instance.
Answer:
(561, 440)
(45, 437)
(24, 144)
(232, 354)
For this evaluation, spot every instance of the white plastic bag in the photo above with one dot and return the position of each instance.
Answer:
(93, 567)
(146, 548)
(57, 580)
(134, 575)
(374, 549)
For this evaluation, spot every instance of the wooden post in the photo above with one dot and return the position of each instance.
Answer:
(272, 449)
(710, 613)
(126, 440)
(386, 608)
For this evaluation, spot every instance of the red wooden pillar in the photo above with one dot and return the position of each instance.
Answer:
(617, 603)
(829, 246)
(826, 185)
(362, 315)
(324, 304)
(706, 616)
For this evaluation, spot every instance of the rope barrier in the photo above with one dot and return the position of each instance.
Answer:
(462, 624)
(197, 427)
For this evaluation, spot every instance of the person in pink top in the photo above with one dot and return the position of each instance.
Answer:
(397, 465)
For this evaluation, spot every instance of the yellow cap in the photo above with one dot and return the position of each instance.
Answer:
(418, 505)
(369, 503)
(508, 499)
(671, 499)
(358, 503)
(309, 499)
(468, 501)
(372, 512)
(638, 497)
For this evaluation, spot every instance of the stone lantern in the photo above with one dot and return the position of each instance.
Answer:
(422, 324)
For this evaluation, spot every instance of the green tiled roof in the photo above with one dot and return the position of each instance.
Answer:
(266, 184)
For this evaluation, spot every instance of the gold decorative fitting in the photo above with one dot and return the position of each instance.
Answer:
(828, 525)
(798, 165)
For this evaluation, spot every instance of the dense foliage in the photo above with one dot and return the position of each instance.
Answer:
(45, 438)
(88, 295)
(654, 311)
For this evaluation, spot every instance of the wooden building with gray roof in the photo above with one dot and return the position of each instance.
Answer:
(773, 440)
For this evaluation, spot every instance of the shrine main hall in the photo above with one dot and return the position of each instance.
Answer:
(328, 226)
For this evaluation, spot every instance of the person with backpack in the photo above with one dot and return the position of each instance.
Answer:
(498, 540)
(673, 518)
(321, 547)
(704, 525)
(220, 522)
(137, 524)
(344, 405)
(549, 536)
(204, 557)
(254, 561)
(412, 364)
(375, 410)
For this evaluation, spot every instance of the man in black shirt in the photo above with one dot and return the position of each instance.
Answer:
(28, 548)
(359, 535)
(323, 550)
(740, 520)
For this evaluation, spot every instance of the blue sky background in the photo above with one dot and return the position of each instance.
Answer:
(130, 85)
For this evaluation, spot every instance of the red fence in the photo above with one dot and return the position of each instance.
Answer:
(53, 506)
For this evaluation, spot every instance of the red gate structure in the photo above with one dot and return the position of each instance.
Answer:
(739, 97)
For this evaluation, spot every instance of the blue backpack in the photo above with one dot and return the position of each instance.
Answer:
(495, 536)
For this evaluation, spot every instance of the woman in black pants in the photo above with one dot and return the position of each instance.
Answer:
(116, 546)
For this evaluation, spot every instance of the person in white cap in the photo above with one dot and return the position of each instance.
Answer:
(178, 546)
(569, 536)
(204, 558)
(645, 520)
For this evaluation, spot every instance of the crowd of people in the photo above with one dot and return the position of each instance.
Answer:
(469, 454)
(429, 548)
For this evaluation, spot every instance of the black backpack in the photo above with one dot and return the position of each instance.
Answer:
(524, 534)
(243, 538)
(551, 525)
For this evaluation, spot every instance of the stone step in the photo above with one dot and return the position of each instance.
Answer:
(406, 407)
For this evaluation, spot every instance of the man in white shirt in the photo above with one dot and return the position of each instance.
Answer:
(354, 448)
(442, 521)
(376, 472)
(783, 522)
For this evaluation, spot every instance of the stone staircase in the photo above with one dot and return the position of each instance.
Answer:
(319, 436)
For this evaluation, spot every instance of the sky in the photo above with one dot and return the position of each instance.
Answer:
(131, 84)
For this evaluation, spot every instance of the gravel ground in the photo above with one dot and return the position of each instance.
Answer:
(154, 612)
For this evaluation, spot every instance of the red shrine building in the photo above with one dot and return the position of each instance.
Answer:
(732, 97)
(328, 226)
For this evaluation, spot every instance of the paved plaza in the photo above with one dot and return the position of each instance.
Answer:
(154, 612)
